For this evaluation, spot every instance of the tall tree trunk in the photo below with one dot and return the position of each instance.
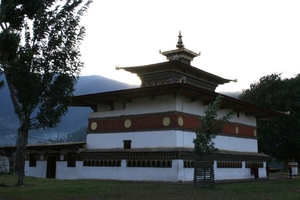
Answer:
(19, 155)
(22, 138)
(21, 145)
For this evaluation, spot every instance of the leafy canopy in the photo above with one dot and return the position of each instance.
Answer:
(210, 127)
(40, 56)
(280, 136)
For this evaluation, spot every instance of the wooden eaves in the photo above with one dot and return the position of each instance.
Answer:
(192, 92)
(176, 65)
(46, 148)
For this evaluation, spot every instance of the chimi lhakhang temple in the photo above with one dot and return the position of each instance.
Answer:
(147, 133)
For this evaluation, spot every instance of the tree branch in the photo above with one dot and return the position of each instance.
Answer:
(13, 94)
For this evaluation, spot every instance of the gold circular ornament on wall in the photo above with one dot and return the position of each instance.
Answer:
(127, 123)
(94, 125)
(166, 121)
(180, 121)
(236, 130)
(255, 132)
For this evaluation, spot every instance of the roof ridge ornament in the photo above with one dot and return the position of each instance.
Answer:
(179, 42)
(181, 53)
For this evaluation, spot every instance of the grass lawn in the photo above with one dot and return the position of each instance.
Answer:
(277, 187)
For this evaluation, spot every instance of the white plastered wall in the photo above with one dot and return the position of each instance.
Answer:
(147, 139)
(176, 173)
(166, 138)
(165, 104)
(237, 173)
(39, 171)
(236, 144)
(169, 138)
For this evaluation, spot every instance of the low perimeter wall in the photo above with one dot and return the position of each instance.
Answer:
(178, 172)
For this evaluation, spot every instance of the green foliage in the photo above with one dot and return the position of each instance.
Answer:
(40, 57)
(11, 13)
(261, 93)
(42, 68)
(279, 136)
(210, 127)
(9, 43)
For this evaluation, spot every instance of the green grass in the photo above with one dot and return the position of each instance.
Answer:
(36, 188)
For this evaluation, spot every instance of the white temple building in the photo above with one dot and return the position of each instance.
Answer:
(147, 133)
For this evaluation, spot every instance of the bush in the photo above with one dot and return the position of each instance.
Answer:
(4, 164)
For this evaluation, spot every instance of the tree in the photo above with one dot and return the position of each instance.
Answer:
(279, 136)
(1, 82)
(40, 58)
(210, 127)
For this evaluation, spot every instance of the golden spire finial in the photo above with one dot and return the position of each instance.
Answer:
(179, 43)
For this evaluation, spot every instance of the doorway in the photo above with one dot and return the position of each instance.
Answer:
(51, 166)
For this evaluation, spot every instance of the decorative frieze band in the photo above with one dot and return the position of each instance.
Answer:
(161, 121)
(186, 156)
(173, 76)
(136, 155)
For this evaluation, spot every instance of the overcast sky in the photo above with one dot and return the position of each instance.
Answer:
(239, 39)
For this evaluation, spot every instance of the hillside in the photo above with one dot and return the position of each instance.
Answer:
(74, 120)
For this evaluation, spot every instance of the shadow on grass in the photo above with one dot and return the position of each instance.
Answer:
(3, 185)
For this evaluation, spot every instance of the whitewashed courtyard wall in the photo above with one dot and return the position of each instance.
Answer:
(174, 174)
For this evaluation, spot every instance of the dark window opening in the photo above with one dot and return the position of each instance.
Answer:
(127, 144)
(71, 160)
(32, 161)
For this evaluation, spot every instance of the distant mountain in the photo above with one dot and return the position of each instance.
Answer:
(74, 120)
(96, 84)
(232, 94)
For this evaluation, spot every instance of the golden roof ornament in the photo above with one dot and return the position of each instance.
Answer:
(181, 54)
(179, 43)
